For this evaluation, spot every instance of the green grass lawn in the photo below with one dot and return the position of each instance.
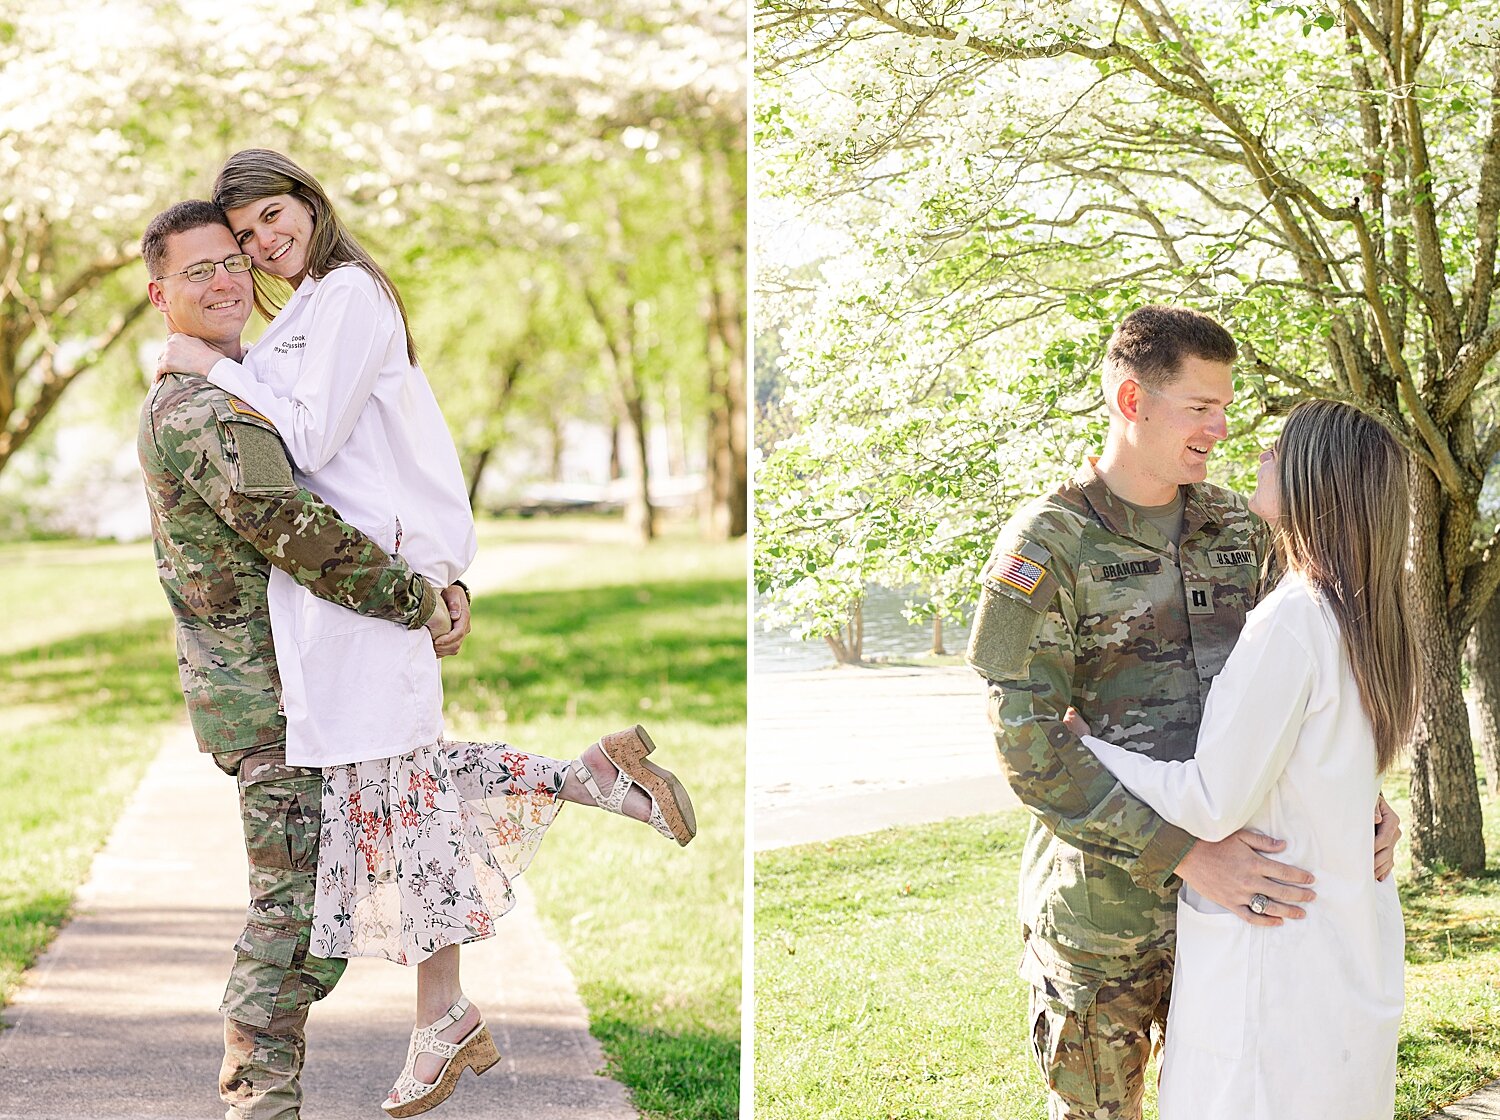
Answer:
(886, 989)
(605, 636)
(652, 931)
(88, 680)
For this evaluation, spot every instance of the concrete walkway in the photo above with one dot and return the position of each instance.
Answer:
(843, 751)
(1483, 1105)
(118, 1019)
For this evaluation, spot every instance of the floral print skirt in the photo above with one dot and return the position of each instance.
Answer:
(417, 851)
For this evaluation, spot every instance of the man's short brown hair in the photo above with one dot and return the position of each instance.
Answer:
(177, 218)
(1152, 342)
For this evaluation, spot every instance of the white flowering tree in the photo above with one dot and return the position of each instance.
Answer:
(445, 132)
(1014, 176)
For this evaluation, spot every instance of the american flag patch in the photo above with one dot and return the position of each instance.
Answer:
(1021, 573)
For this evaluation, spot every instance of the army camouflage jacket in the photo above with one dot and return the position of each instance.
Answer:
(224, 508)
(1085, 603)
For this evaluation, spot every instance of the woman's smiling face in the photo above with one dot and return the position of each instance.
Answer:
(275, 232)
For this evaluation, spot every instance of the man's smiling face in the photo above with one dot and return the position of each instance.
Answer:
(215, 309)
(1178, 425)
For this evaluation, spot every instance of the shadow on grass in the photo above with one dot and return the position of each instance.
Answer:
(676, 647)
(125, 675)
(688, 1075)
(1449, 916)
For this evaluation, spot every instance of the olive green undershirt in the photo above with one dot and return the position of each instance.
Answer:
(1167, 518)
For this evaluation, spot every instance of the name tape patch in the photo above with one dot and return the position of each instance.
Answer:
(1020, 573)
(1230, 557)
(1124, 569)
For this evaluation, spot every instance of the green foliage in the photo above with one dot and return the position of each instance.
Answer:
(1009, 180)
(472, 148)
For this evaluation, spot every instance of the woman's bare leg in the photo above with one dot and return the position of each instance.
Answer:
(439, 988)
(637, 801)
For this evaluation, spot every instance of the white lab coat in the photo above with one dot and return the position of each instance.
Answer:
(365, 434)
(1297, 1022)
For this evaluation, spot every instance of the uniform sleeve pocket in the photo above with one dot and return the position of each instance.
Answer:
(1004, 633)
(261, 466)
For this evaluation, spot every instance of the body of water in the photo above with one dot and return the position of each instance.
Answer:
(887, 634)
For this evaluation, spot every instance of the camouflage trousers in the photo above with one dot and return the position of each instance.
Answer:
(274, 981)
(1091, 1032)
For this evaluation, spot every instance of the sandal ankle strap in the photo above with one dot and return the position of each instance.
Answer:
(586, 776)
(452, 1015)
(614, 801)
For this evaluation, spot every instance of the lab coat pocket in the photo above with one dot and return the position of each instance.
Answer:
(1216, 962)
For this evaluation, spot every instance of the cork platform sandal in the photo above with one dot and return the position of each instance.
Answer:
(475, 1051)
(671, 809)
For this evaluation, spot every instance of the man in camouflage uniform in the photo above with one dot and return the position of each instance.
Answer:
(224, 508)
(1120, 593)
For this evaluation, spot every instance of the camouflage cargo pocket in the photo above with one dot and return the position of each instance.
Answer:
(263, 981)
(281, 819)
(1062, 1039)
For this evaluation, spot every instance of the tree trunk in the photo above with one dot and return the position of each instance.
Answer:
(1484, 682)
(676, 428)
(718, 239)
(728, 431)
(476, 472)
(848, 643)
(640, 515)
(505, 388)
(50, 381)
(1446, 826)
(621, 322)
(555, 446)
(937, 637)
(728, 481)
(616, 460)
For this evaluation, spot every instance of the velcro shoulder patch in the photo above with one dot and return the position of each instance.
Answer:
(1018, 586)
(259, 465)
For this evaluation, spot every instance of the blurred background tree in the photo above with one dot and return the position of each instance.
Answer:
(558, 190)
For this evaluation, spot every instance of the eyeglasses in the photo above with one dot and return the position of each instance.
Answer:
(203, 270)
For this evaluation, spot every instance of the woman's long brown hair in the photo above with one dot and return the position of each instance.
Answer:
(256, 173)
(1344, 524)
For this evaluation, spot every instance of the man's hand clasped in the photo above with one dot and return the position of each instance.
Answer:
(1234, 873)
(454, 618)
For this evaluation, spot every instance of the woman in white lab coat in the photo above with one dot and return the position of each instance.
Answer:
(420, 835)
(1298, 1020)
